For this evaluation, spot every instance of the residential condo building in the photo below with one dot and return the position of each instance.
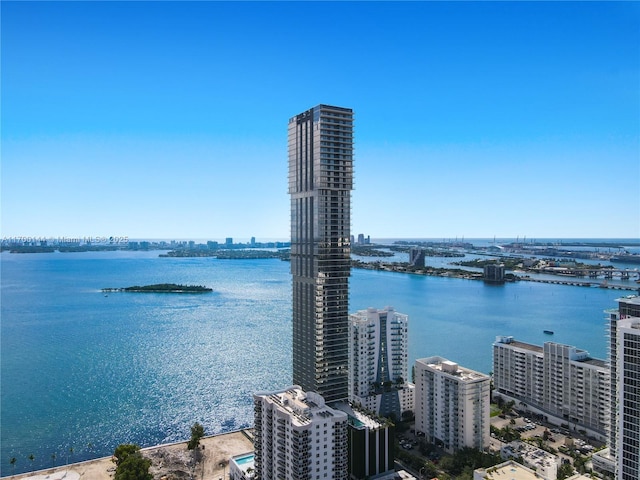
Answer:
(451, 404)
(628, 385)
(559, 381)
(320, 182)
(621, 457)
(378, 361)
(298, 437)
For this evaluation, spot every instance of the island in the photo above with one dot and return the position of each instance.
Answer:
(162, 288)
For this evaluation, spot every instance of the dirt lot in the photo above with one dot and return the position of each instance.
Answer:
(169, 462)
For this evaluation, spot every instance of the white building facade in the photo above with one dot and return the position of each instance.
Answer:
(558, 381)
(628, 386)
(298, 437)
(378, 361)
(451, 404)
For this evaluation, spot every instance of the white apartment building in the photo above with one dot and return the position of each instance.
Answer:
(451, 404)
(558, 381)
(298, 437)
(378, 361)
(612, 460)
(628, 386)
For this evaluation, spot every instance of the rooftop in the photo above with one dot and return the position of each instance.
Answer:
(357, 418)
(629, 299)
(509, 340)
(508, 470)
(527, 346)
(451, 369)
(596, 362)
(300, 405)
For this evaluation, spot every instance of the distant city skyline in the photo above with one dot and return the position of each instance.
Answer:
(162, 120)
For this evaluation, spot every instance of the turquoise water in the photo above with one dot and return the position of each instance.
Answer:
(85, 371)
(244, 460)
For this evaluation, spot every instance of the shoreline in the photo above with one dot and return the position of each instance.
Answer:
(166, 459)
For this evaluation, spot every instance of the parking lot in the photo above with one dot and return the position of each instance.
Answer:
(530, 428)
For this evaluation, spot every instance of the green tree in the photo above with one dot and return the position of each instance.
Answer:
(32, 458)
(131, 465)
(564, 471)
(134, 467)
(429, 470)
(197, 432)
(13, 464)
(124, 450)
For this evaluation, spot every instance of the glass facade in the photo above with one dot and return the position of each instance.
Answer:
(320, 182)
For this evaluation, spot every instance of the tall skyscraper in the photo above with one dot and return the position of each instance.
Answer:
(320, 183)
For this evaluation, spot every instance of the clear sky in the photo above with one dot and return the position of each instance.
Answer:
(169, 120)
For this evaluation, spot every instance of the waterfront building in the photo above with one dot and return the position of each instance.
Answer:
(298, 437)
(320, 144)
(628, 425)
(558, 381)
(451, 404)
(378, 362)
(417, 257)
(494, 273)
(622, 455)
(609, 460)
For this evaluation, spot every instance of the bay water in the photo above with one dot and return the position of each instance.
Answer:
(83, 371)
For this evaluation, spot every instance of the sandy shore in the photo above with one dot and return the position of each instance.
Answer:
(169, 462)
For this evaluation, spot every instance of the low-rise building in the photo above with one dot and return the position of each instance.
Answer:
(509, 470)
(242, 467)
(543, 463)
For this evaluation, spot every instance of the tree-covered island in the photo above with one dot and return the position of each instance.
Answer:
(162, 288)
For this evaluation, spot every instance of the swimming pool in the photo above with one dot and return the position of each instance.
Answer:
(244, 459)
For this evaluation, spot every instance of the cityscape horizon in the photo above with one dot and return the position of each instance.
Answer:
(510, 119)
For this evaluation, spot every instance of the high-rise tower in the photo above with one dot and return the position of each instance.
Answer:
(320, 183)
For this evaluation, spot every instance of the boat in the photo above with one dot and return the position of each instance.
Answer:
(626, 257)
(548, 332)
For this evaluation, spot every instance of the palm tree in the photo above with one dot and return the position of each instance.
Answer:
(53, 460)
(13, 465)
(32, 458)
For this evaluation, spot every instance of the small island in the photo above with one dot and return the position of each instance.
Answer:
(162, 288)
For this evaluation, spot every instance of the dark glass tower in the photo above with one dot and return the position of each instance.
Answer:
(320, 184)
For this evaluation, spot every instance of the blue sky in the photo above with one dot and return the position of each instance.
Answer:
(169, 120)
